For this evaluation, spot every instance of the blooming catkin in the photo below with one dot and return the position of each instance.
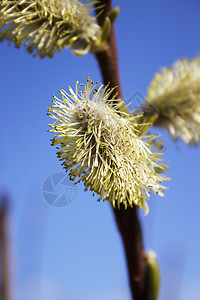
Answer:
(45, 26)
(101, 147)
(174, 95)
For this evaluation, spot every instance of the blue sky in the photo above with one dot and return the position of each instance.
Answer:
(76, 252)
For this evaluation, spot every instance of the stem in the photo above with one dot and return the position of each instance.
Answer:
(127, 220)
(130, 229)
(4, 249)
(108, 57)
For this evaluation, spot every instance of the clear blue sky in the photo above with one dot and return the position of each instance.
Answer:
(76, 252)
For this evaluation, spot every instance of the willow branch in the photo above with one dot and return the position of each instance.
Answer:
(4, 249)
(127, 220)
(130, 229)
(107, 57)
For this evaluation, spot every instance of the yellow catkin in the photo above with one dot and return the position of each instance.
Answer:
(44, 26)
(101, 147)
(174, 95)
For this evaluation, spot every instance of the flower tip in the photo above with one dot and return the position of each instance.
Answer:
(146, 210)
(114, 14)
(80, 52)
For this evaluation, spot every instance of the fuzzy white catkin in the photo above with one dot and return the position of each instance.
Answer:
(101, 147)
(174, 95)
(44, 26)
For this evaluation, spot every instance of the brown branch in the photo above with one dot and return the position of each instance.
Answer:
(108, 57)
(4, 249)
(130, 229)
(127, 220)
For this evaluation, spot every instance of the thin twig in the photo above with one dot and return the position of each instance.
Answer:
(108, 57)
(130, 229)
(4, 249)
(127, 220)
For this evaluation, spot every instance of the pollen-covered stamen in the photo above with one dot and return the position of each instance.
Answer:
(174, 96)
(45, 26)
(101, 147)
